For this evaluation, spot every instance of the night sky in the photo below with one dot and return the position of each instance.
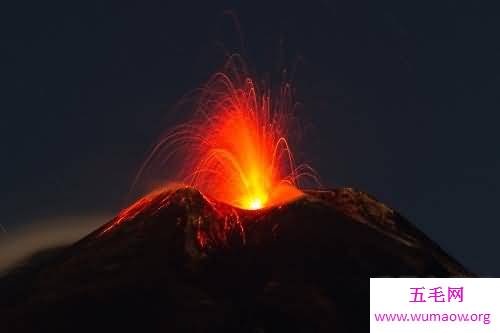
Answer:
(399, 99)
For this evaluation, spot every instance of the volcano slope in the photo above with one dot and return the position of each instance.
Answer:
(177, 262)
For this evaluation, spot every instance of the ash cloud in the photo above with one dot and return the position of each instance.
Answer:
(18, 245)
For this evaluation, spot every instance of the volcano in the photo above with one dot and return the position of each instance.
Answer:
(177, 261)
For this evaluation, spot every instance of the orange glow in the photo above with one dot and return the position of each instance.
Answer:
(130, 212)
(236, 149)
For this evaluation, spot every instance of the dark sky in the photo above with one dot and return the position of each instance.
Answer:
(402, 101)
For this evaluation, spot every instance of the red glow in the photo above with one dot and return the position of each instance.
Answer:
(130, 212)
(236, 148)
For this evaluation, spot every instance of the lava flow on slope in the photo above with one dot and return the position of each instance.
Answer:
(235, 150)
(180, 262)
(241, 247)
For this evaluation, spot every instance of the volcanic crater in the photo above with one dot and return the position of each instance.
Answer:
(179, 261)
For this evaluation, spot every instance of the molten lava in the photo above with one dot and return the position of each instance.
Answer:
(235, 149)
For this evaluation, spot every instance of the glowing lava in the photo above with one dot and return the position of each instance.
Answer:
(236, 150)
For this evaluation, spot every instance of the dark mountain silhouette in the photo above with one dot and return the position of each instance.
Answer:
(178, 262)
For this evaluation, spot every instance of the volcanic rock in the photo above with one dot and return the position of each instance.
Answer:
(177, 261)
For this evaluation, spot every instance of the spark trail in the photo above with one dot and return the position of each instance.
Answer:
(236, 147)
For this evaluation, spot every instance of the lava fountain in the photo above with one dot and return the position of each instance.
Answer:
(236, 147)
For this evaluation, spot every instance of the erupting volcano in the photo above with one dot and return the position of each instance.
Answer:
(207, 257)
(236, 148)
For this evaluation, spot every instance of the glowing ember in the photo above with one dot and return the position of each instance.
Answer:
(235, 150)
(131, 211)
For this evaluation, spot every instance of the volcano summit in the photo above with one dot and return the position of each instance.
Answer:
(176, 261)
